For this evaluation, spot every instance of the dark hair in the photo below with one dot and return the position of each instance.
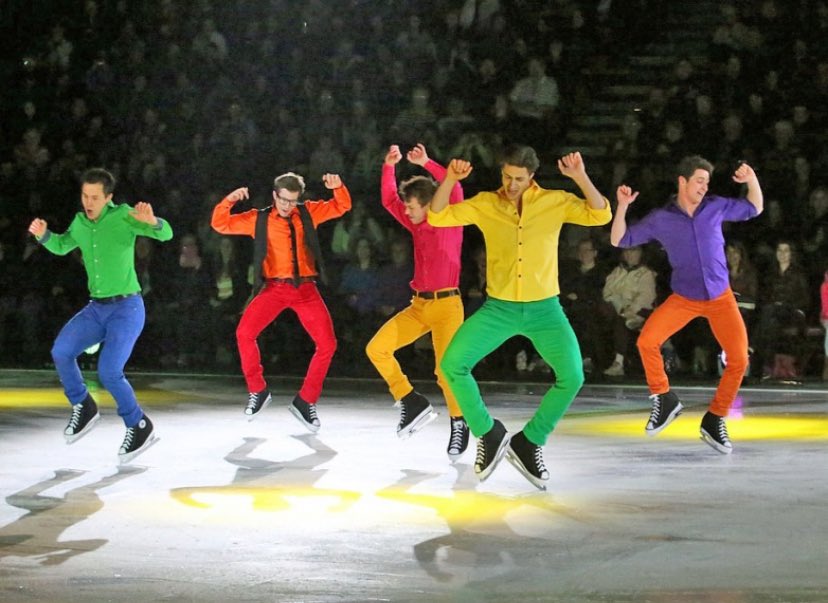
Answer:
(290, 182)
(521, 156)
(688, 166)
(99, 176)
(420, 187)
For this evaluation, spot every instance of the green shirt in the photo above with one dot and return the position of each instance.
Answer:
(108, 247)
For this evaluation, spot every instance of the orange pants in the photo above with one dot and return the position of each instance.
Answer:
(728, 328)
(440, 316)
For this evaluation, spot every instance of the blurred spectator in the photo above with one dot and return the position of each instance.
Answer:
(630, 289)
(581, 287)
(353, 226)
(783, 307)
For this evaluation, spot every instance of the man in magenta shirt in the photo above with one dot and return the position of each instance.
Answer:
(689, 228)
(436, 305)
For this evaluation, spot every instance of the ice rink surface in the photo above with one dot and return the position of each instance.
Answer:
(222, 509)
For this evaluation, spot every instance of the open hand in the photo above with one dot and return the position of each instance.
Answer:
(143, 213)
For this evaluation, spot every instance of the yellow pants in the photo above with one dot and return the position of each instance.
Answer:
(442, 317)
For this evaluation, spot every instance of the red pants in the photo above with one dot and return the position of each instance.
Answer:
(313, 314)
(728, 328)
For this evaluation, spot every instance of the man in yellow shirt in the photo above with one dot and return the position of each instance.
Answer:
(521, 223)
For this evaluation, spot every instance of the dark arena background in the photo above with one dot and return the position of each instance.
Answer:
(186, 101)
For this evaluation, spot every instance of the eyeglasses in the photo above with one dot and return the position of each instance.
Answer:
(286, 200)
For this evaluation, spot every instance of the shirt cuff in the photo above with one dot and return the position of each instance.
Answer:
(46, 236)
(160, 224)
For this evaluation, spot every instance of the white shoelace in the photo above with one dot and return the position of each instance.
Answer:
(656, 398)
(130, 434)
(77, 411)
(252, 401)
(723, 431)
(539, 460)
(457, 432)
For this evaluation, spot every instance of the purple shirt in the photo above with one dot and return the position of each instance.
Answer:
(694, 245)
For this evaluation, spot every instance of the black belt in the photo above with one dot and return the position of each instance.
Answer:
(437, 294)
(113, 299)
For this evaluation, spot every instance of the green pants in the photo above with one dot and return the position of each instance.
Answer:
(546, 326)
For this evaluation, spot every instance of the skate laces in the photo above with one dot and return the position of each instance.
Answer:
(401, 405)
(74, 421)
(656, 399)
(312, 412)
(480, 460)
(252, 401)
(130, 434)
(458, 429)
(539, 466)
(722, 428)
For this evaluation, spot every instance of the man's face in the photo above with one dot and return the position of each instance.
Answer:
(692, 191)
(515, 181)
(284, 201)
(94, 199)
(415, 212)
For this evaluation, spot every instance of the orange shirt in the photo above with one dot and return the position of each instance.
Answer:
(278, 262)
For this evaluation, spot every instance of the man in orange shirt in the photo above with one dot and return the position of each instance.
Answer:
(287, 245)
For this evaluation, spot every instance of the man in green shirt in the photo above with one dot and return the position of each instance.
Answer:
(521, 223)
(105, 233)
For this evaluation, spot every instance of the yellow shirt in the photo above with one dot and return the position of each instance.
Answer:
(522, 250)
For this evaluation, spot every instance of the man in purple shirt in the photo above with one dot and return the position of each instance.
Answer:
(689, 228)
(436, 305)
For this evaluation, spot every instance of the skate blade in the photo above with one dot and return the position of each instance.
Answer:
(417, 425)
(89, 426)
(515, 461)
(151, 441)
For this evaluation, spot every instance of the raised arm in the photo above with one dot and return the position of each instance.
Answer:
(625, 197)
(572, 166)
(744, 174)
(458, 169)
(418, 156)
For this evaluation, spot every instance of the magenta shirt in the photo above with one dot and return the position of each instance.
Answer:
(436, 250)
(695, 246)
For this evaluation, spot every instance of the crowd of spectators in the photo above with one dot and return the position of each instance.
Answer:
(187, 101)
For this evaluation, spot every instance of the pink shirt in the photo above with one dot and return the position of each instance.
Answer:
(436, 250)
(824, 295)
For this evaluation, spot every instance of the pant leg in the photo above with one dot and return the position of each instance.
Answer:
(263, 310)
(666, 319)
(485, 330)
(83, 330)
(730, 332)
(315, 318)
(123, 322)
(400, 330)
(445, 316)
(548, 328)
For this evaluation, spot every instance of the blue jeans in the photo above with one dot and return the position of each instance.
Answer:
(118, 326)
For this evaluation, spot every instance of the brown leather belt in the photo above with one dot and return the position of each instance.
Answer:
(437, 294)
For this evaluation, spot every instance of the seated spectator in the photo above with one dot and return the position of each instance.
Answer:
(782, 312)
(743, 279)
(192, 289)
(356, 224)
(630, 289)
(581, 299)
(394, 291)
(534, 101)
